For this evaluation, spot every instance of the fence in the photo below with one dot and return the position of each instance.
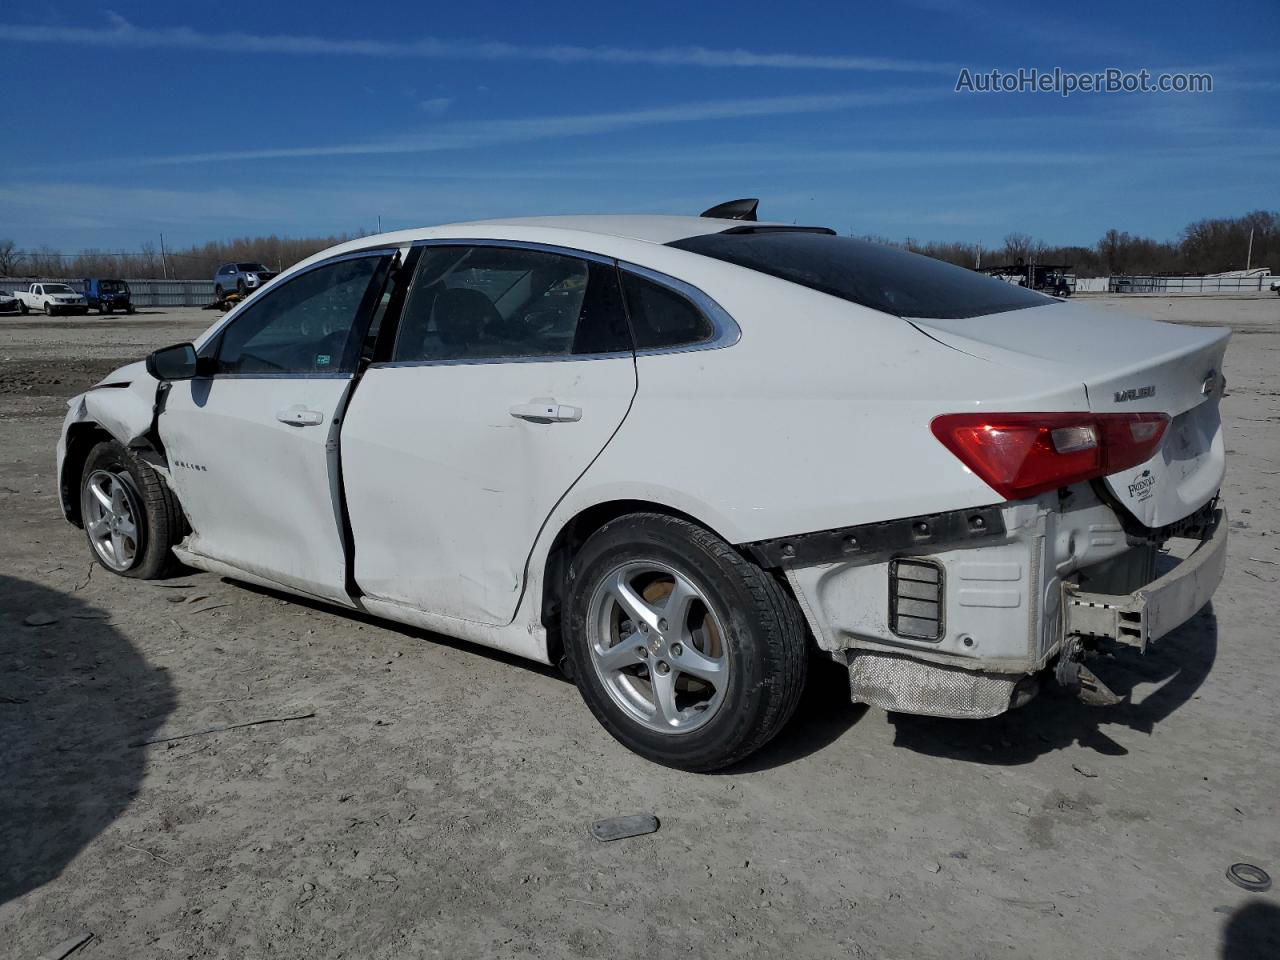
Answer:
(1252, 284)
(146, 293)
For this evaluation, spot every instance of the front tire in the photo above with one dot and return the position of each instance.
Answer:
(48, 309)
(688, 653)
(130, 515)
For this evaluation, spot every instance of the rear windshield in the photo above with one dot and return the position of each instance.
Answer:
(875, 276)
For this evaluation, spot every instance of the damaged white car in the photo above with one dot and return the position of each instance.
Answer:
(675, 454)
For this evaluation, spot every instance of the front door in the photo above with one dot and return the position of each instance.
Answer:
(253, 448)
(511, 370)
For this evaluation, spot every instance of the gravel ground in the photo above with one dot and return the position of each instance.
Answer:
(437, 802)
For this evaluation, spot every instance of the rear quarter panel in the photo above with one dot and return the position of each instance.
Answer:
(817, 418)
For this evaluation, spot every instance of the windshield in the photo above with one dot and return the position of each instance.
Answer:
(882, 278)
(57, 288)
(251, 268)
(111, 286)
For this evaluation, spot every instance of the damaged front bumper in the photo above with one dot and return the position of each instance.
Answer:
(961, 615)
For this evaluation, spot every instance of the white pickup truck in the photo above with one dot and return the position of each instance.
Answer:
(51, 298)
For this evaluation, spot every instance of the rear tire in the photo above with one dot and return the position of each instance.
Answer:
(23, 308)
(218, 294)
(134, 536)
(738, 630)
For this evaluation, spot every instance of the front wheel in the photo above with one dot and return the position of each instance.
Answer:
(688, 653)
(130, 515)
(48, 309)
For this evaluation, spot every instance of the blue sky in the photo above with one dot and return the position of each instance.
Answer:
(209, 121)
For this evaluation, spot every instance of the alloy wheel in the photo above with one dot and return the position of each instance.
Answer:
(658, 646)
(110, 514)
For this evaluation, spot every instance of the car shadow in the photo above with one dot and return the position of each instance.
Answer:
(404, 629)
(74, 693)
(822, 717)
(1252, 932)
(1179, 662)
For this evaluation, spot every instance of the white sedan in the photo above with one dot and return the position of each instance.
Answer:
(676, 455)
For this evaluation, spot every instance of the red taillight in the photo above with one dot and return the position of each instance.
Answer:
(1022, 454)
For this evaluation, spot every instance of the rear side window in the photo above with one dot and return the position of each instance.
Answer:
(660, 317)
(474, 303)
(882, 278)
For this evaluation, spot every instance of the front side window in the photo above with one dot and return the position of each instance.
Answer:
(306, 325)
(493, 303)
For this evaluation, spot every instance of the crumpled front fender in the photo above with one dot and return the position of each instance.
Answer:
(122, 406)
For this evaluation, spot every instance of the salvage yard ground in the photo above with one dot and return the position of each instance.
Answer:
(434, 799)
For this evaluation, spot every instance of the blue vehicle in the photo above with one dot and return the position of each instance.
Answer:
(107, 296)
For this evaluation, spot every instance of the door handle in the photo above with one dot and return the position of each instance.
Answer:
(543, 410)
(300, 417)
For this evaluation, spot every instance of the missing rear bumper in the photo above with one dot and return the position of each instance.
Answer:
(1157, 608)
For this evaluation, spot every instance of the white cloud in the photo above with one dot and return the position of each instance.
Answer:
(122, 33)
(472, 134)
(435, 106)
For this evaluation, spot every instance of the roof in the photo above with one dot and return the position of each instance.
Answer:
(654, 229)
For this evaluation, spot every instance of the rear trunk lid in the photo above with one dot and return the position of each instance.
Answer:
(1128, 364)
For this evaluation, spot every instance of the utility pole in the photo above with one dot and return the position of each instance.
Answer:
(164, 263)
(379, 223)
(1249, 259)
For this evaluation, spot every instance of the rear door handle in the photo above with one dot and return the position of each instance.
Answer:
(300, 417)
(543, 410)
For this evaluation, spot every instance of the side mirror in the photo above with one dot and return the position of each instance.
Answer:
(178, 362)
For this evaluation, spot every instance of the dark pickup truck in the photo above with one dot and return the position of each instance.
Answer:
(107, 296)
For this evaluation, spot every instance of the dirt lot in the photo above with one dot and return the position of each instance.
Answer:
(437, 802)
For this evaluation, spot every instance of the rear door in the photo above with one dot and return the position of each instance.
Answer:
(512, 368)
(253, 448)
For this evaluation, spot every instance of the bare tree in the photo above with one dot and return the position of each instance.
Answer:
(10, 258)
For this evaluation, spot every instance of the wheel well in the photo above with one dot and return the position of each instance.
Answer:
(81, 438)
(567, 543)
